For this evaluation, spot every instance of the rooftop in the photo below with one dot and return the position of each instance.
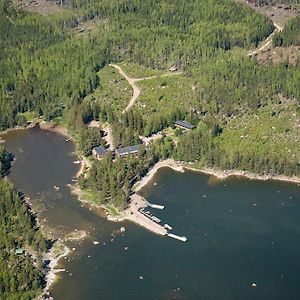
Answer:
(127, 150)
(19, 251)
(185, 124)
(99, 150)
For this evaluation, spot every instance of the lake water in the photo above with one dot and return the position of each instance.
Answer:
(239, 232)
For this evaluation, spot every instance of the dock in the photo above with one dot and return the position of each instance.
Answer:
(177, 237)
(137, 212)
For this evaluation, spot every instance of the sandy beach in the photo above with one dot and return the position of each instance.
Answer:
(170, 163)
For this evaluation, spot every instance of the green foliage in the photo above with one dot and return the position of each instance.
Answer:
(113, 91)
(290, 34)
(113, 180)
(5, 161)
(19, 278)
(88, 138)
(264, 142)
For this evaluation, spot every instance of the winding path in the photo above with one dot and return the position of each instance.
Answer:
(136, 89)
(267, 42)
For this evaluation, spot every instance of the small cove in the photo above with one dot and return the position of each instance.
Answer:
(239, 231)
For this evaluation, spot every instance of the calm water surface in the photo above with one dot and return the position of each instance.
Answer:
(239, 232)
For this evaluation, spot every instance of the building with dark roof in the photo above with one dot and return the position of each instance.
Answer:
(99, 153)
(184, 125)
(122, 152)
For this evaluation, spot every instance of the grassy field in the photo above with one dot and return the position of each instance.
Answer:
(158, 94)
(114, 91)
(274, 129)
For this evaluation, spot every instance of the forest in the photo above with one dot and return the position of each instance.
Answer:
(21, 276)
(50, 72)
(290, 35)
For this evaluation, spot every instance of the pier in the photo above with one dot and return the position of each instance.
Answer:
(137, 212)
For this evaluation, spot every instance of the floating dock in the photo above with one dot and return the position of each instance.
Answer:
(174, 236)
(155, 205)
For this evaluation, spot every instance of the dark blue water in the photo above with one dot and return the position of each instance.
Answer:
(239, 232)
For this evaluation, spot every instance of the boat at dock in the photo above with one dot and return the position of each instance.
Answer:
(177, 237)
(155, 205)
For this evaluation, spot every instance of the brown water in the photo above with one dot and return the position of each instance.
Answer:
(239, 232)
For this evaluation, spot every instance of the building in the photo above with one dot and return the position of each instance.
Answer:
(98, 153)
(19, 251)
(184, 125)
(123, 152)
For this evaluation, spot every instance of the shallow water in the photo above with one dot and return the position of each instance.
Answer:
(239, 232)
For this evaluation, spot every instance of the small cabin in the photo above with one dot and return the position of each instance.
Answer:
(184, 125)
(123, 152)
(99, 153)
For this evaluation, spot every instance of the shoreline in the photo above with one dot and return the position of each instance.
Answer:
(225, 174)
(50, 271)
(136, 202)
(132, 213)
(50, 276)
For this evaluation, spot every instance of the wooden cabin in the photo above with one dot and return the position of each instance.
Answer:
(99, 153)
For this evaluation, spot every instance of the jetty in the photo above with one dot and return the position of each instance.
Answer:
(138, 213)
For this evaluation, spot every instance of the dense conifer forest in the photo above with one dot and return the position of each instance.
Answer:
(21, 276)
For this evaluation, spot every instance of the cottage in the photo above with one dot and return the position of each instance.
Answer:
(123, 152)
(98, 153)
(184, 125)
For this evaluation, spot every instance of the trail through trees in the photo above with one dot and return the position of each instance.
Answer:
(136, 89)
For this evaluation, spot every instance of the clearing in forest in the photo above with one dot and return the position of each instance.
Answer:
(136, 89)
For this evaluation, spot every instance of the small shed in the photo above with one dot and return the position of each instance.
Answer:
(99, 153)
(123, 152)
(19, 251)
(184, 125)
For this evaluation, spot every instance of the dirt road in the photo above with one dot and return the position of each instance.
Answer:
(136, 89)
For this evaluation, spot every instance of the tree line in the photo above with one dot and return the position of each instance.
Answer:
(21, 277)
